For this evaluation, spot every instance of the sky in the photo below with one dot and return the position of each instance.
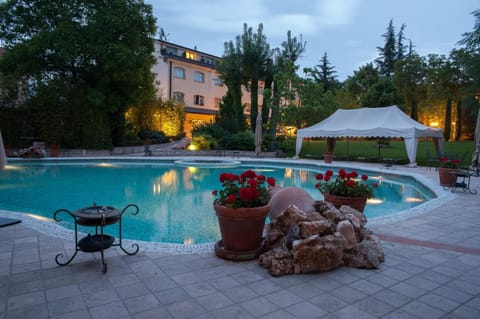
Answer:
(349, 31)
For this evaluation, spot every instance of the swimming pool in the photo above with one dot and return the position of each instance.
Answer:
(175, 201)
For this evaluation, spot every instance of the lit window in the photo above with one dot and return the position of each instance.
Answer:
(178, 97)
(190, 55)
(179, 72)
(198, 100)
(199, 77)
(217, 81)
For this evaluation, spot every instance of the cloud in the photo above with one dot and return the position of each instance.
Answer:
(336, 12)
(304, 17)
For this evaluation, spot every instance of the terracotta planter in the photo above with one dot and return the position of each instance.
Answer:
(328, 158)
(447, 177)
(355, 202)
(241, 228)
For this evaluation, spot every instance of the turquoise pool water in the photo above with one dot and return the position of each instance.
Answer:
(175, 202)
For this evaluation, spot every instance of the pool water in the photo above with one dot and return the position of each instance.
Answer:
(175, 202)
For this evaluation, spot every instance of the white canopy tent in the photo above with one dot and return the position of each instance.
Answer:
(387, 121)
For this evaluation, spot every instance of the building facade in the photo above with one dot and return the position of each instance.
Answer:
(188, 76)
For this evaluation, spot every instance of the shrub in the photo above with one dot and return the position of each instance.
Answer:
(242, 141)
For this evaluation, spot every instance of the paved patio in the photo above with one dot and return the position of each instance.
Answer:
(432, 270)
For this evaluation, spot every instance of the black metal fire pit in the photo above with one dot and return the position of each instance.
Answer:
(98, 217)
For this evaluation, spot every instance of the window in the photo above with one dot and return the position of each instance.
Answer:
(190, 55)
(198, 77)
(217, 81)
(179, 72)
(198, 100)
(178, 97)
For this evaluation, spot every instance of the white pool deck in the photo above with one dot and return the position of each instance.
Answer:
(432, 270)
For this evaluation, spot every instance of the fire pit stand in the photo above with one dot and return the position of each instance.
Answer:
(98, 217)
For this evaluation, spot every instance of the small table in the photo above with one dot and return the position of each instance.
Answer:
(98, 217)
(463, 182)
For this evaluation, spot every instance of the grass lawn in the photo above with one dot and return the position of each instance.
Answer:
(367, 150)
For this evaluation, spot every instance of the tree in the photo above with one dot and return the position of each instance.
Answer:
(471, 43)
(387, 53)
(283, 68)
(324, 73)
(361, 82)
(471, 40)
(400, 46)
(231, 74)
(80, 64)
(254, 56)
(447, 77)
(410, 79)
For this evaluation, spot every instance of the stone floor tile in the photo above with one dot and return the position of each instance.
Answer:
(25, 287)
(423, 310)
(172, 295)
(66, 305)
(348, 294)
(185, 309)
(453, 294)
(240, 294)
(110, 310)
(366, 286)
(224, 283)
(160, 312)
(352, 312)
(53, 294)
(37, 311)
(328, 303)
(408, 290)
(141, 303)
(133, 290)
(283, 298)
(101, 297)
(400, 314)
(279, 314)
(374, 306)
(214, 301)
(199, 289)
(463, 312)
(81, 314)
(259, 306)
(474, 303)
(306, 310)
(393, 298)
(439, 302)
(234, 311)
(264, 286)
(26, 300)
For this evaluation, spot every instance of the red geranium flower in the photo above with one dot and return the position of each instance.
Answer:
(345, 184)
(271, 181)
(245, 190)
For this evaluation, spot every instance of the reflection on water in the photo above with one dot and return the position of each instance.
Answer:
(175, 202)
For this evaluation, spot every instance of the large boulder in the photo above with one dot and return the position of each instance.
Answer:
(317, 253)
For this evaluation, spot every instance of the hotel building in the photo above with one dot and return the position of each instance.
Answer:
(189, 77)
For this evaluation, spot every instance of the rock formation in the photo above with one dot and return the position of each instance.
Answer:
(321, 240)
